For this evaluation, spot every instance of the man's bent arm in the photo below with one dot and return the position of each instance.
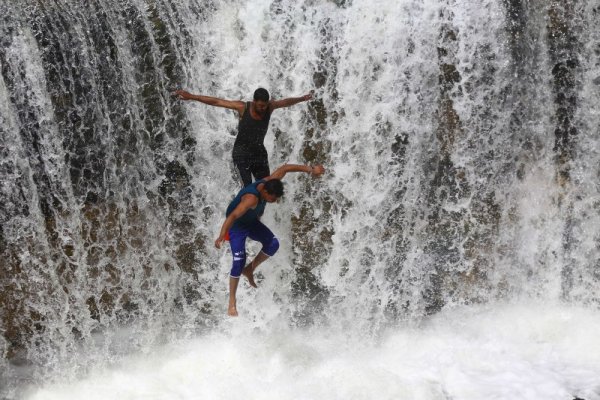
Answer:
(248, 201)
(211, 101)
(280, 172)
(290, 101)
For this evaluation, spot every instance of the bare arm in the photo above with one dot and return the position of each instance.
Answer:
(280, 172)
(211, 101)
(290, 101)
(248, 201)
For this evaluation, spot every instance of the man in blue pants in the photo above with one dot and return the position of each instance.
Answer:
(243, 221)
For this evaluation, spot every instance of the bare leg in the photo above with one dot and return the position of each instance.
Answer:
(233, 284)
(249, 269)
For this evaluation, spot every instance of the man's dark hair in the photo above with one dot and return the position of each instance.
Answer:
(261, 94)
(274, 186)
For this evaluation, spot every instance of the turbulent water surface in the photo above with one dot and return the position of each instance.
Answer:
(450, 251)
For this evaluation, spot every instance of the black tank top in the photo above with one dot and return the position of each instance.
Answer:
(250, 137)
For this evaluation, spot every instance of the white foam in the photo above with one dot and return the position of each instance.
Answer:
(499, 352)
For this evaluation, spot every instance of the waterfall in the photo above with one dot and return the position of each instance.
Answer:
(461, 143)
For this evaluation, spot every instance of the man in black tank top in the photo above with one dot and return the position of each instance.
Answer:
(249, 153)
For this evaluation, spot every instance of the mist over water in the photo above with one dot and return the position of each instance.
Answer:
(461, 141)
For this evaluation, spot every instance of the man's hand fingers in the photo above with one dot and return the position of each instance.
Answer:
(181, 94)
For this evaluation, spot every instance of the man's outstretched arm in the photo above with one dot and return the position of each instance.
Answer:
(290, 101)
(211, 101)
(280, 172)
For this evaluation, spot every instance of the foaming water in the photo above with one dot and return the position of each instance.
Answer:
(492, 352)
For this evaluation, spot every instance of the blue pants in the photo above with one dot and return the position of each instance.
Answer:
(237, 240)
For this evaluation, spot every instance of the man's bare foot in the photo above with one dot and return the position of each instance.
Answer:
(232, 311)
(248, 272)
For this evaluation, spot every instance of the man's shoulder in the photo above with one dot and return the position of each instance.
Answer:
(251, 198)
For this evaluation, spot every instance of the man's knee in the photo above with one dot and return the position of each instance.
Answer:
(271, 248)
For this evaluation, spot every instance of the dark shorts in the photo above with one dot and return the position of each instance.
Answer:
(237, 241)
(248, 167)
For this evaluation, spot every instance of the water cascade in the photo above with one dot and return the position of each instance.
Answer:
(461, 141)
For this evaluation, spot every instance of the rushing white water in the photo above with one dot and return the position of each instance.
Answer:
(499, 352)
(461, 142)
